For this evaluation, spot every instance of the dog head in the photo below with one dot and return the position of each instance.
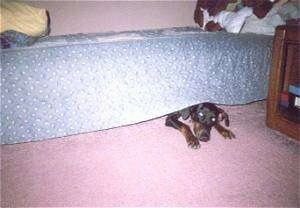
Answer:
(209, 114)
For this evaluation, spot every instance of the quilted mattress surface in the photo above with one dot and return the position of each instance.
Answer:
(64, 85)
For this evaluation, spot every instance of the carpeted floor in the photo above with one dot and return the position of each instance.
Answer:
(149, 164)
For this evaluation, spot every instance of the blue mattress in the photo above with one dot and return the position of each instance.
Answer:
(64, 85)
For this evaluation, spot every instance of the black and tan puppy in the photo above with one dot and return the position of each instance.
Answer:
(204, 116)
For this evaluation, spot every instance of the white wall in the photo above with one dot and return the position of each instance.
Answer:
(98, 16)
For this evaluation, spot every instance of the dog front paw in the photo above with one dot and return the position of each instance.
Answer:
(193, 142)
(227, 134)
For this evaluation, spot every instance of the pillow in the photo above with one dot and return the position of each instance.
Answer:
(266, 25)
(13, 39)
(233, 21)
(20, 17)
(290, 10)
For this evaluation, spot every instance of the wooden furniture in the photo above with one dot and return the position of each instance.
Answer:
(285, 71)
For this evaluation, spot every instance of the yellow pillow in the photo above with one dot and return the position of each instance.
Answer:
(18, 16)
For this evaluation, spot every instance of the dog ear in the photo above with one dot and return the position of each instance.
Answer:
(197, 108)
(185, 113)
(224, 116)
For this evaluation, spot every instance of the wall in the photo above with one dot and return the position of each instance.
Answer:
(98, 16)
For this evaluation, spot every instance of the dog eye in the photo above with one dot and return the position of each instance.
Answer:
(201, 114)
(213, 119)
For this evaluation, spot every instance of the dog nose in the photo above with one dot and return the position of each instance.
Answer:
(204, 139)
(205, 135)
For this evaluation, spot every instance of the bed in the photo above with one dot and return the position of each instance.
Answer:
(71, 84)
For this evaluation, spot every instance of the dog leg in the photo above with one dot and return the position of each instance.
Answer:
(226, 133)
(172, 121)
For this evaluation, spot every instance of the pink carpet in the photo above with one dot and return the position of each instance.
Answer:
(149, 164)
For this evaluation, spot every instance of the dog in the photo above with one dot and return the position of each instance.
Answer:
(204, 116)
